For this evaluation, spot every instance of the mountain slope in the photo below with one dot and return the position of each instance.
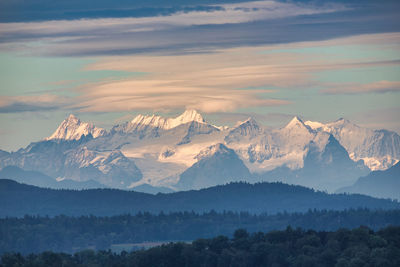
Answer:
(111, 168)
(263, 150)
(216, 165)
(246, 129)
(146, 188)
(71, 159)
(379, 149)
(39, 179)
(383, 184)
(19, 199)
(330, 167)
(325, 168)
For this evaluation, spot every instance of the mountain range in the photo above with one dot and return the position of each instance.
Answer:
(153, 153)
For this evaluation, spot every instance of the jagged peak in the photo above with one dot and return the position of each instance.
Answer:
(248, 121)
(72, 128)
(212, 150)
(72, 118)
(342, 120)
(314, 124)
(295, 122)
(248, 128)
(147, 119)
(189, 115)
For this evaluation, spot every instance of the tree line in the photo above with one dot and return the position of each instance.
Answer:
(35, 234)
(291, 247)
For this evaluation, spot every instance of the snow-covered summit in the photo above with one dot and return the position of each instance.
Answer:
(243, 129)
(218, 148)
(73, 128)
(247, 127)
(188, 115)
(296, 132)
(379, 149)
(166, 123)
(296, 123)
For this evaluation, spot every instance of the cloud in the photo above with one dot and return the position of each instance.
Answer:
(251, 67)
(231, 25)
(199, 30)
(24, 107)
(224, 80)
(17, 104)
(129, 95)
(374, 87)
(66, 9)
(228, 13)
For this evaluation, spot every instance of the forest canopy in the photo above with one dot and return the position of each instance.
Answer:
(291, 247)
(35, 234)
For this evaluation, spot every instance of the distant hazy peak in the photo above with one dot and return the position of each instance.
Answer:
(187, 116)
(73, 128)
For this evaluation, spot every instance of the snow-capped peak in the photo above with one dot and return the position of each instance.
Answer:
(314, 124)
(248, 121)
(212, 150)
(296, 122)
(248, 129)
(335, 126)
(341, 122)
(73, 128)
(378, 149)
(168, 123)
(72, 119)
(188, 116)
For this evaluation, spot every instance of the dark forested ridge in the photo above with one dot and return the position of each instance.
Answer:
(20, 199)
(70, 234)
(357, 247)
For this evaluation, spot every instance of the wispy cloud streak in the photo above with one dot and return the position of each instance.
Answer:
(44, 102)
(166, 96)
(374, 87)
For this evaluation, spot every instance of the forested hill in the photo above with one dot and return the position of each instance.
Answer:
(20, 199)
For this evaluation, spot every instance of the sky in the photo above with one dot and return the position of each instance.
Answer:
(107, 61)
